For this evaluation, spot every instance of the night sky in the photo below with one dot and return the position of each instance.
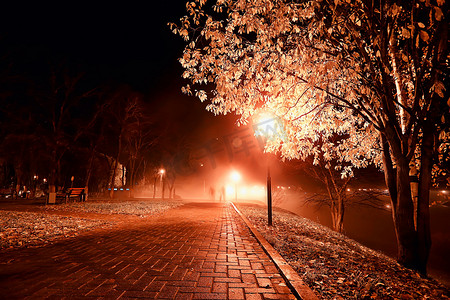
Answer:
(112, 43)
(128, 43)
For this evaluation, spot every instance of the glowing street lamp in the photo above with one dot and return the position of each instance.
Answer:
(204, 181)
(268, 126)
(235, 176)
(162, 172)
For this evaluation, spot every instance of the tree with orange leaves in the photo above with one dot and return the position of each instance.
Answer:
(372, 71)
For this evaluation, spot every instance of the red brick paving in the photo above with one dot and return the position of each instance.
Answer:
(196, 251)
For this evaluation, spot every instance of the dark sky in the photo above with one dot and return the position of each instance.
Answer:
(126, 42)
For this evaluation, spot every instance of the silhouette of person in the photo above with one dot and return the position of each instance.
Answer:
(212, 193)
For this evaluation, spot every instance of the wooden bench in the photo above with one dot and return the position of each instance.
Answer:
(75, 193)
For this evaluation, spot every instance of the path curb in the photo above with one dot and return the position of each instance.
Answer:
(293, 280)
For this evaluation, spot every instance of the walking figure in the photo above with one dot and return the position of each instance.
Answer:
(212, 193)
(222, 193)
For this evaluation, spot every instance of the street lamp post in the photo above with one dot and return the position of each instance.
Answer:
(269, 195)
(204, 181)
(161, 172)
(235, 176)
(267, 127)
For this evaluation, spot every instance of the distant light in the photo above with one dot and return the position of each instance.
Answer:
(45, 180)
(201, 165)
(289, 187)
(121, 189)
(444, 192)
(235, 176)
(115, 189)
(229, 190)
(162, 171)
(388, 206)
(348, 190)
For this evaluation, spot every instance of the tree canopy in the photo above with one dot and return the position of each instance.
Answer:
(372, 71)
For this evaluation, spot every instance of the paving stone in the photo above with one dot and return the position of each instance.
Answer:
(205, 281)
(235, 293)
(196, 251)
(208, 296)
(168, 292)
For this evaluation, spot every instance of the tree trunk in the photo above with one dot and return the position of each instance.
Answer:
(123, 175)
(333, 211)
(340, 216)
(403, 215)
(423, 208)
(113, 179)
(19, 176)
(389, 171)
(162, 188)
(52, 180)
(89, 172)
(131, 171)
(337, 215)
(412, 231)
(154, 187)
(131, 174)
(116, 162)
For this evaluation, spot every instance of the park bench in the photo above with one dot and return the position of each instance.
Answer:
(68, 195)
(75, 193)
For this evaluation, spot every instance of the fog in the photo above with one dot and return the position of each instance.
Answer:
(372, 227)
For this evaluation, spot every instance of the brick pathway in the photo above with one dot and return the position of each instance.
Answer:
(197, 251)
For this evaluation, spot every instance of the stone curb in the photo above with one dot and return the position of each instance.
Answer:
(293, 280)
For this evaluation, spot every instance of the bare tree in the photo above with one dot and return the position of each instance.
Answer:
(139, 138)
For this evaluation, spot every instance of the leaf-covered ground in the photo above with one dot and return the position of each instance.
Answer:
(18, 229)
(337, 267)
(137, 208)
(38, 225)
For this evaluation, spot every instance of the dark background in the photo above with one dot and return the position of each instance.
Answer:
(112, 44)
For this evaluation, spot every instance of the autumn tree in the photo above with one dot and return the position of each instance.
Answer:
(325, 164)
(335, 190)
(371, 70)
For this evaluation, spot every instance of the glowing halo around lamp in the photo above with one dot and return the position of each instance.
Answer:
(235, 176)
